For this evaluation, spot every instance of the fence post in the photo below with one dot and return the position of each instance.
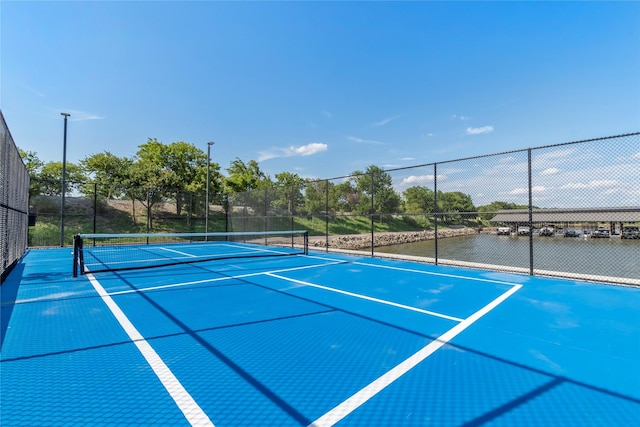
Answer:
(530, 214)
(190, 213)
(291, 206)
(95, 205)
(326, 214)
(435, 211)
(226, 212)
(372, 217)
(148, 210)
(266, 211)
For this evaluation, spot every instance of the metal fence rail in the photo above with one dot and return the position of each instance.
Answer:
(14, 202)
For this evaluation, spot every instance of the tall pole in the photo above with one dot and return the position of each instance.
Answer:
(206, 217)
(64, 177)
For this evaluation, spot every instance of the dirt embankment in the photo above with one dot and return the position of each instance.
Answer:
(361, 241)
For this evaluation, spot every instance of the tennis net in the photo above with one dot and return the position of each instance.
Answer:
(111, 252)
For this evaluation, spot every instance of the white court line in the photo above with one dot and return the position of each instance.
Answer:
(207, 257)
(365, 297)
(411, 270)
(432, 273)
(359, 398)
(189, 407)
(178, 252)
(218, 279)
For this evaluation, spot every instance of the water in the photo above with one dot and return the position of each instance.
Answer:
(613, 257)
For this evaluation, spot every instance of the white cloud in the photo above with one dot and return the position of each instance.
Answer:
(307, 150)
(550, 171)
(556, 154)
(506, 159)
(480, 130)
(365, 141)
(534, 189)
(35, 91)
(591, 184)
(327, 114)
(304, 150)
(463, 118)
(385, 121)
(420, 180)
(78, 116)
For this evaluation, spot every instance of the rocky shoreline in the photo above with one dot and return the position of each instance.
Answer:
(363, 241)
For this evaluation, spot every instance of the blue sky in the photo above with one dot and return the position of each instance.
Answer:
(320, 89)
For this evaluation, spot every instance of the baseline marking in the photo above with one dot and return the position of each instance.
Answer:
(359, 398)
(365, 297)
(189, 407)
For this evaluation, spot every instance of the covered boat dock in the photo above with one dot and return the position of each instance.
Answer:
(585, 219)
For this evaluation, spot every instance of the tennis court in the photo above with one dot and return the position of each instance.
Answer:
(313, 339)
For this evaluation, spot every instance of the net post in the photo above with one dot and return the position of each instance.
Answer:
(77, 247)
(306, 242)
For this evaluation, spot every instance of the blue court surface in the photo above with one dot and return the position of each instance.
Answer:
(318, 340)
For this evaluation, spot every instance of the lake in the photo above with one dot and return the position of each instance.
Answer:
(604, 257)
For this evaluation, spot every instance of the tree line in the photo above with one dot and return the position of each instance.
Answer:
(170, 172)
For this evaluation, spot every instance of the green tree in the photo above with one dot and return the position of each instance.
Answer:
(489, 211)
(452, 204)
(187, 166)
(46, 178)
(243, 182)
(289, 192)
(34, 166)
(348, 196)
(376, 183)
(173, 171)
(315, 198)
(109, 173)
(243, 177)
(418, 199)
(49, 181)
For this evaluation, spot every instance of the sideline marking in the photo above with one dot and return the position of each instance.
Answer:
(352, 294)
(433, 273)
(189, 407)
(359, 398)
(411, 270)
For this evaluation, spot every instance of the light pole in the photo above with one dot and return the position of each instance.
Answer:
(206, 218)
(64, 176)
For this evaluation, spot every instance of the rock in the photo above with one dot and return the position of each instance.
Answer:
(363, 241)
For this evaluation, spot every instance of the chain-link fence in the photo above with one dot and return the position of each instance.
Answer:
(141, 210)
(571, 210)
(14, 202)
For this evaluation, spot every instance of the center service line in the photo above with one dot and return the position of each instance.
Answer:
(362, 396)
(190, 409)
(368, 298)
